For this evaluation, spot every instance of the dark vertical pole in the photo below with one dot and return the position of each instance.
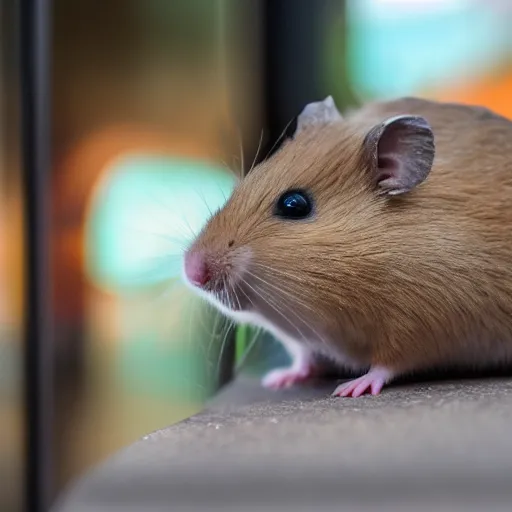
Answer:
(35, 99)
(293, 35)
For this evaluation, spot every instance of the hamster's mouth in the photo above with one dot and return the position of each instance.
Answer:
(225, 295)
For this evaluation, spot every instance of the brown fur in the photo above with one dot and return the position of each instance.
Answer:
(409, 282)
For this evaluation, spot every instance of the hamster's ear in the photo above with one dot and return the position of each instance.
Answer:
(402, 153)
(316, 114)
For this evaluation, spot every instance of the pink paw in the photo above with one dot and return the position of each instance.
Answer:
(286, 377)
(373, 382)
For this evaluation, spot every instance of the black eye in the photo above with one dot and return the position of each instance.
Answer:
(293, 204)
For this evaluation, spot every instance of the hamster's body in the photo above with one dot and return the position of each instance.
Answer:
(392, 270)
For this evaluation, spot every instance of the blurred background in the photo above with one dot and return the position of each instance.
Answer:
(156, 108)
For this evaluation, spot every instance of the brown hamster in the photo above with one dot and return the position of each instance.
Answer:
(382, 240)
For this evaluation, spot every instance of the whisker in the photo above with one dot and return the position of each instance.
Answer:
(229, 327)
(240, 143)
(142, 277)
(165, 207)
(266, 299)
(294, 282)
(180, 237)
(257, 152)
(201, 195)
(250, 346)
(194, 235)
(279, 138)
(275, 271)
(232, 288)
(231, 170)
(214, 336)
(247, 296)
(223, 193)
(282, 290)
(289, 288)
(181, 243)
(298, 317)
(166, 256)
(163, 290)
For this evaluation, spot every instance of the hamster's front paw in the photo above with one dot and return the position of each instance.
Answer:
(287, 377)
(373, 382)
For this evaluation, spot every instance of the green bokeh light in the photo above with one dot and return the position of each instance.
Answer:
(145, 212)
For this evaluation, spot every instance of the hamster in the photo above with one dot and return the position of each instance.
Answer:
(381, 240)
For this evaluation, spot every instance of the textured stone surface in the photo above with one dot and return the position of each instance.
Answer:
(431, 446)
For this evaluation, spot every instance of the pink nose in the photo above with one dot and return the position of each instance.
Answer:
(196, 269)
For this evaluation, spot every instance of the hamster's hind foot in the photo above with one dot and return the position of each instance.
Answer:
(372, 382)
(287, 377)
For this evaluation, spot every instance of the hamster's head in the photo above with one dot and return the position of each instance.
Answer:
(294, 243)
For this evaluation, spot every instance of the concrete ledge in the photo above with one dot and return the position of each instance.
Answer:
(437, 446)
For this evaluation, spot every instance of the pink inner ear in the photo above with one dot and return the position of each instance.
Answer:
(387, 168)
(405, 153)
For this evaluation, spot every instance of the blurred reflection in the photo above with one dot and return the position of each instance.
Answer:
(451, 50)
(11, 357)
(146, 128)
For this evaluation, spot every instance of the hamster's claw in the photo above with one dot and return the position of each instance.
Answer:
(286, 377)
(373, 382)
